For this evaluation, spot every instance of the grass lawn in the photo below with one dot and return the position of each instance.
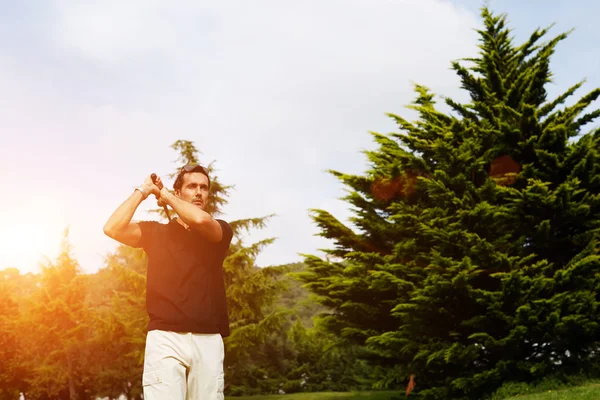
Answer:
(327, 396)
(587, 392)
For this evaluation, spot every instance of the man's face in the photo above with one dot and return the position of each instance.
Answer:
(194, 189)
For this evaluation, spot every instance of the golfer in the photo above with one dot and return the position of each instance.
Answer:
(185, 292)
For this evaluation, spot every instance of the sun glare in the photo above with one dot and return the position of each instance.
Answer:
(25, 245)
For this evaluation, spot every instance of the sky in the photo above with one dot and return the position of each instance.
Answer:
(274, 92)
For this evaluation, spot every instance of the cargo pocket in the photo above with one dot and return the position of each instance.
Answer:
(153, 378)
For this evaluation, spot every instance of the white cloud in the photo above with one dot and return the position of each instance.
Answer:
(277, 92)
(113, 31)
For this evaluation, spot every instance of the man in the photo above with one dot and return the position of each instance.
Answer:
(185, 293)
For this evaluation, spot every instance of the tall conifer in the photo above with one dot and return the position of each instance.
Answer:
(474, 257)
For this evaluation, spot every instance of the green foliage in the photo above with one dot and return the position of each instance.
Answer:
(296, 359)
(297, 298)
(299, 356)
(289, 354)
(121, 322)
(84, 335)
(12, 374)
(53, 328)
(473, 256)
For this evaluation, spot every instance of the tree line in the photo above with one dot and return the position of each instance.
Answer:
(69, 335)
(471, 261)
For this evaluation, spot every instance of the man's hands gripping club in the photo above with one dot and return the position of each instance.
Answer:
(153, 185)
(119, 225)
(187, 204)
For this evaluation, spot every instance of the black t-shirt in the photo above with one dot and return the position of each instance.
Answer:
(185, 290)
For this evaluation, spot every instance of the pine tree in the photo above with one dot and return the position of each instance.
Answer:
(474, 258)
(251, 290)
(12, 373)
(121, 323)
(54, 330)
(15, 289)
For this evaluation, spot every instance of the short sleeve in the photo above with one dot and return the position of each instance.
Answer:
(148, 229)
(227, 234)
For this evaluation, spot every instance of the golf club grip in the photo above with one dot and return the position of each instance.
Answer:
(153, 176)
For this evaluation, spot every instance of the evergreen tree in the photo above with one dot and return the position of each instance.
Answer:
(474, 259)
(14, 290)
(251, 292)
(54, 330)
(12, 373)
(122, 323)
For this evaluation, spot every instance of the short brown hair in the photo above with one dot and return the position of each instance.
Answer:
(187, 169)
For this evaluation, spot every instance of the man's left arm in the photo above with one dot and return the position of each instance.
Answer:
(196, 218)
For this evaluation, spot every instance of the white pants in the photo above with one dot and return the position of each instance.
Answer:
(183, 366)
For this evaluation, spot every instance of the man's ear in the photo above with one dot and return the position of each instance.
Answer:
(177, 192)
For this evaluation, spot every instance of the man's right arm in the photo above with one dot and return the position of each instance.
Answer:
(119, 225)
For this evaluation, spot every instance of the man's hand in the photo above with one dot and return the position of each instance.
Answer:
(152, 188)
(161, 202)
(119, 225)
